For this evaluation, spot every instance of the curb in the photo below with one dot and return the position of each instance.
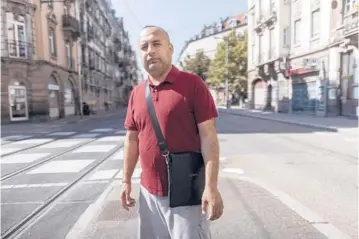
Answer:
(312, 126)
(90, 214)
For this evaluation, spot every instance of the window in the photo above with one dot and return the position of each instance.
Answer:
(286, 37)
(260, 49)
(271, 43)
(16, 35)
(350, 5)
(297, 31)
(348, 69)
(315, 27)
(52, 41)
(69, 55)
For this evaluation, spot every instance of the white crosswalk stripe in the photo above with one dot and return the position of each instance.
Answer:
(22, 158)
(62, 166)
(103, 174)
(95, 148)
(102, 130)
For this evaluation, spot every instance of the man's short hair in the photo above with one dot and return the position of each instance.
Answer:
(160, 28)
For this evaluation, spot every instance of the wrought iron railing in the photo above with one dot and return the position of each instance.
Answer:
(18, 49)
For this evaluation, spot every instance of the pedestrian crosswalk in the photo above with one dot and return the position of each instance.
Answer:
(82, 151)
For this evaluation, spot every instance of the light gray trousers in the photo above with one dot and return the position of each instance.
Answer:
(158, 221)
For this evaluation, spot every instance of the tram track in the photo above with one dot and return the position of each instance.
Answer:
(41, 210)
(46, 159)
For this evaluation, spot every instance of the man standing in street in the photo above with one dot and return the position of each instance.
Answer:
(186, 115)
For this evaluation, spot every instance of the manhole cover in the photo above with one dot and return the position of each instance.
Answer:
(113, 211)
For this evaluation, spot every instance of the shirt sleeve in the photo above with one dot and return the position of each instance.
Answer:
(204, 106)
(130, 123)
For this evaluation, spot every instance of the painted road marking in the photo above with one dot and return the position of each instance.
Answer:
(84, 136)
(33, 185)
(8, 150)
(62, 143)
(136, 174)
(101, 130)
(63, 133)
(103, 174)
(95, 148)
(111, 138)
(62, 166)
(233, 170)
(32, 141)
(22, 158)
(118, 155)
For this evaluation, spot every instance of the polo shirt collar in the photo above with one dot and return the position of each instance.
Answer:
(171, 76)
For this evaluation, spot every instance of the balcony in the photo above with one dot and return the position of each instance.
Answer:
(350, 25)
(18, 49)
(70, 26)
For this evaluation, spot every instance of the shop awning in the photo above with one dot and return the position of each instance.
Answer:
(299, 71)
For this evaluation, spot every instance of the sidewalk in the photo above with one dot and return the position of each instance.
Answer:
(250, 212)
(333, 124)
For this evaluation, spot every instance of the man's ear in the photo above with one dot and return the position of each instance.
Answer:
(171, 47)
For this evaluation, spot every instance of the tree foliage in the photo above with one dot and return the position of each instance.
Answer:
(198, 64)
(237, 64)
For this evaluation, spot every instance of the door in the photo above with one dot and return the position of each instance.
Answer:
(259, 97)
(18, 103)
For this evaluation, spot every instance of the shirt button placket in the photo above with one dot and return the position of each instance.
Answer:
(155, 94)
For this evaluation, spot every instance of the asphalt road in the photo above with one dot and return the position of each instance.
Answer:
(277, 180)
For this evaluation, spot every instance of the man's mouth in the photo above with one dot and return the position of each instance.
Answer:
(152, 61)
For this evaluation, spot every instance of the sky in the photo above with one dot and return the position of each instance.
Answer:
(182, 19)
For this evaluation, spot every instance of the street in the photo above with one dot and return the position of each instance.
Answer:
(277, 181)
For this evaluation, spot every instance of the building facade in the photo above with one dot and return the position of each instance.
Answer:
(207, 41)
(107, 58)
(209, 37)
(296, 56)
(56, 55)
(125, 64)
(38, 56)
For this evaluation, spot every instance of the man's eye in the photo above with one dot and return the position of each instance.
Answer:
(143, 47)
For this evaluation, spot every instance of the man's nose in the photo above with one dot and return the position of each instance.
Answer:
(150, 50)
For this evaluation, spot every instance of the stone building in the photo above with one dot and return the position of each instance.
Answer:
(301, 56)
(38, 60)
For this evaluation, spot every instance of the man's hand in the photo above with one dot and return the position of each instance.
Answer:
(212, 203)
(126, 199)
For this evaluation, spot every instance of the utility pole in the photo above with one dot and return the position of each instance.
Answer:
(228, 105)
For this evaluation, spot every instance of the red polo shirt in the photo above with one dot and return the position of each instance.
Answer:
(181, 101)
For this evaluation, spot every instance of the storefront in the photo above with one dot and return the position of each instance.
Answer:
(18, 102)
(349, 83)
(304, 95)
(69, 98)
(259, 97)
(54, 106)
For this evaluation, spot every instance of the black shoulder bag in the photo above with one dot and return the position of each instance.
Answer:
(186, 171)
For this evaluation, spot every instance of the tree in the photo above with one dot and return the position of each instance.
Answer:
(237, 64)
(198, 64)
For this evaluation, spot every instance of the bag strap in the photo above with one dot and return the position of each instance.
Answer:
(151, 110)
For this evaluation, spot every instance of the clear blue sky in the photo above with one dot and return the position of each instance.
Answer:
(182, 18)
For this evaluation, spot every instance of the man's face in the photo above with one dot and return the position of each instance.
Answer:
(156, 51)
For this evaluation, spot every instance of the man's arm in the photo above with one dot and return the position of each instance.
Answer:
(130, 155)
(210, 151)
